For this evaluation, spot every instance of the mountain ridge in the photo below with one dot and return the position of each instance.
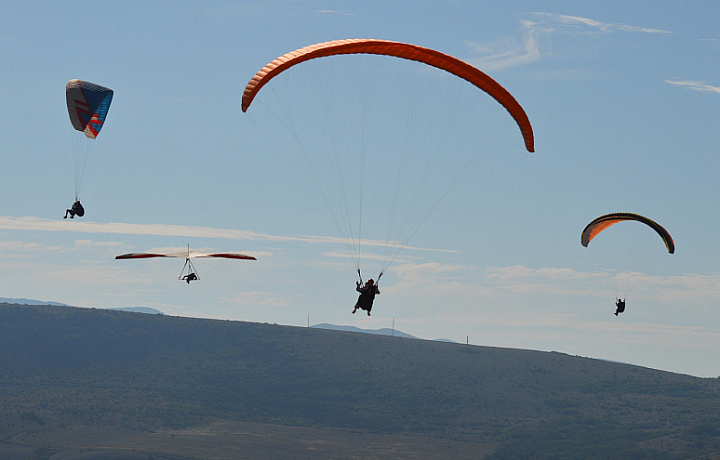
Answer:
(116, 370)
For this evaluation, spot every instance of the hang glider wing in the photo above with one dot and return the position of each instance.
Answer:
(226, 255)
(141, 255)
(186, 255)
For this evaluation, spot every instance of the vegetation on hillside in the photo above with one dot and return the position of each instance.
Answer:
(65, 366)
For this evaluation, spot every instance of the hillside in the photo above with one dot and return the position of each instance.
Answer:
(383, 331)
(77, 381)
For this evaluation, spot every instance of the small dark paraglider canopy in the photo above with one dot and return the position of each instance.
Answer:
(601, 223)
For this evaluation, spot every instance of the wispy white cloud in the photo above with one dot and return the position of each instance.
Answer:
(85, 244)
(256, 299)
(695, 86)
(513, 52)
(509, 52)
(37, 224)
(470, 281)
(462, 284)
(579, 24)
(521, 272)
(7, 246)
(569, 281)
(341, 13)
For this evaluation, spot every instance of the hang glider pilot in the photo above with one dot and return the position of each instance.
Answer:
(75, 209)
(190, 277)
(620, 304)
(367, 295)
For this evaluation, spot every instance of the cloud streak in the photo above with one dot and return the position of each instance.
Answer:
(21, 246)
(581, 24)
(509, 53)
(695, 86)
(37, 224)
(342, 13)
(512, 53)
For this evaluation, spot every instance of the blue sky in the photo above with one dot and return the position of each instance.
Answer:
(625, 106)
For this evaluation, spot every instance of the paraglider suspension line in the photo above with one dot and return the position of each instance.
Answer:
(376, 281)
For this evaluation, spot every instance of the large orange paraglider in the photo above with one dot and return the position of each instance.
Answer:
(401, 50)
(385, 140)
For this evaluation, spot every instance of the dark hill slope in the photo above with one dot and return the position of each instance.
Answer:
(68, 366)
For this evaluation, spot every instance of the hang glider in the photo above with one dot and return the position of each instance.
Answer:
(188, 273)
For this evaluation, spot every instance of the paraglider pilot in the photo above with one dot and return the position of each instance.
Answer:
(75, 209)
(367, 295)
(190, 277)
(620, 304)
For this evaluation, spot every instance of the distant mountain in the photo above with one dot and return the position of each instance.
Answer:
(382, 331)
(148, 310)
(23, 301)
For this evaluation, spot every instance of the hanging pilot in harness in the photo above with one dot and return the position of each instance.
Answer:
(367, 294)
(191, 274)
(620, 304)
(75, 210)
(190, 277)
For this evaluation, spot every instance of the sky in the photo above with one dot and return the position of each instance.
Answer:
(624, 101)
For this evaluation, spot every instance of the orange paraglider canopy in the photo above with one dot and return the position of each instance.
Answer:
(601, 223)
(401, 50)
